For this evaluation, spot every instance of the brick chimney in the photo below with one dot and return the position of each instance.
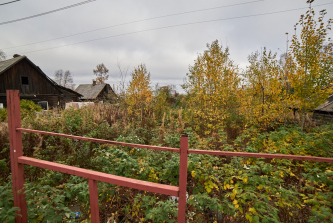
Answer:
(94, 83)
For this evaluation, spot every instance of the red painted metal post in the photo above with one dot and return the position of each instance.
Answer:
(93, 193)
(182, 179)
(15, 142)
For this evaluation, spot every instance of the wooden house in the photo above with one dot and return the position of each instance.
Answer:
(96, 92)
(19, 73)
(324, 112)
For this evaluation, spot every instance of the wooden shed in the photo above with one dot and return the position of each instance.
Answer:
(324, 112)
(96, 92)
(19, 73)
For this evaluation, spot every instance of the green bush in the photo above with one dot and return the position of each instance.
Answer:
(7, 209)
(27, 108)
(3, 114)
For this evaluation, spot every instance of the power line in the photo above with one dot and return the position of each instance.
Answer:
(171, 26)
(45, 13)
(127, 23)
(10, 2)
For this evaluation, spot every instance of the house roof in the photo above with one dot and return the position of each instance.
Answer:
(63, 89)
(6, 64)
(326, 107)
(89, 91)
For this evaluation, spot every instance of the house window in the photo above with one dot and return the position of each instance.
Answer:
(24, 80)
(43, 104)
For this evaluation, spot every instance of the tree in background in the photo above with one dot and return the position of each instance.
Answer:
(123, 71)
(2, 55)
(139, 93)
(212, 86)
(264, 98)
(101, 73)
(162, 100)
(310, 63)
(64, 79)
(121, 86)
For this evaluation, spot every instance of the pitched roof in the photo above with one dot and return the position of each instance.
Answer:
(64, 89)
(326, 107)
(6, 64)
(89, 91)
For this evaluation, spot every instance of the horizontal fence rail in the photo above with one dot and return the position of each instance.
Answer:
(262, 155)
(18, 161)
(101, 140)
(193, 151)
(103, 177)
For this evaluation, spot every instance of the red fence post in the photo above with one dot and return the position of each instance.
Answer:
(93, 194)
(15, 142)
(182, 179)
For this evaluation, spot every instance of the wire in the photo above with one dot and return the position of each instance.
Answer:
(45, 13)
(107, 27)
(10, 2)
(171, 26)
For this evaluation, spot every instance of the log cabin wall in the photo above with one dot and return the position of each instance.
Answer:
(107, 94)
(33, 85)
(67, 97)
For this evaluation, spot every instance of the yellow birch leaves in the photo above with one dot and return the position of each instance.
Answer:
(139, 94)
(212, 86)
(310, 63)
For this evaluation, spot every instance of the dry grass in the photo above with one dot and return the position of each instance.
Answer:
(4, 139)
(3, 127)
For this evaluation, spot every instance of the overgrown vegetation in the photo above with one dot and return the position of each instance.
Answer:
(223, 109)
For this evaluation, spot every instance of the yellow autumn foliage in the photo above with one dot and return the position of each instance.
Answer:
(212, 86)
(265, 97)
(139, 94)
(310, 63)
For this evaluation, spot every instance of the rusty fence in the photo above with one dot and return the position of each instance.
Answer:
(18, 161)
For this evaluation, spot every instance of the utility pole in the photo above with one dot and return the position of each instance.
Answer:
(286, 81)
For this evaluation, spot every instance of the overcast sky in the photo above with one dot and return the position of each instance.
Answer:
(165, 35)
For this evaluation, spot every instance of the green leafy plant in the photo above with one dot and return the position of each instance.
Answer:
(7, 209)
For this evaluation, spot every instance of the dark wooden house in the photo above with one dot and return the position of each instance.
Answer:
(19, 73)
(324, 112)
(96, 92)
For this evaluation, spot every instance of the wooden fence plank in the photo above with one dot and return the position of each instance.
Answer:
(15, 142)
(262, 155)
(104, 177)
(94, 207)
(101, 140)
(182, 179)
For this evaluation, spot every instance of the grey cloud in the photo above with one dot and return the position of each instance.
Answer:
(167, 53)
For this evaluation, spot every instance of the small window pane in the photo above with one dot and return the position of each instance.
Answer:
(25, 80)
(43, 104)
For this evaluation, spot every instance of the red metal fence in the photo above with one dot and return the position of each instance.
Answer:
(18, 161)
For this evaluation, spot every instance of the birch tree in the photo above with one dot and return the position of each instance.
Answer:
(101, 73)
(310, 62)
(64, 79)
(139, 93)
(2, 55)
(265, 98)
(212, 86)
